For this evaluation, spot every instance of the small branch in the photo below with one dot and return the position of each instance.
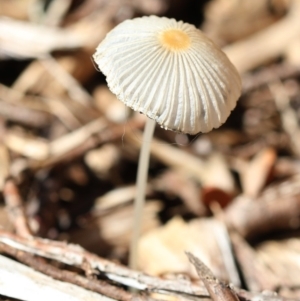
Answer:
(107, 134)
(288, 115)
(75, 90)
(77, 256)
(282, 71)
(24, 115)
(217, 290)
(4, 165)
(15, 209)
(21, 282)
(97, 286)
(277, 208)
(256, 274)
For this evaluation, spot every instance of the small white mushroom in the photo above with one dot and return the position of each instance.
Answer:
(171, 72)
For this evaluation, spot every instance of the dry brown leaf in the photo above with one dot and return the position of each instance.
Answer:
(179, 184)
(119, 234)
(255, 271)
(162, 250)
(103, 159)
(282, 257)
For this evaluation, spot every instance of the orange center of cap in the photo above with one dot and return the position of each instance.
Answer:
(175, 39)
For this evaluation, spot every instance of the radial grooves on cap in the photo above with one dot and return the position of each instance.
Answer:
(195, 98)
(221, 75)
(153, 96)
(130, 87)
(158, 92)
(131, 61)
(216, 100)
(143, 66)
(172, 93)
(188, 115)
(212, 114)
(177, 109)
(160, 107)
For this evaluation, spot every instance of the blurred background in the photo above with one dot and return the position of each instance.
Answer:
(70, 148)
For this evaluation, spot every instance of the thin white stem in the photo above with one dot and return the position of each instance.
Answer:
(141, 184)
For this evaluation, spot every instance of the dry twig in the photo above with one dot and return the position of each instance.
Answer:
(218, 291)
(98, 286)
(15, 209)
(288, 116)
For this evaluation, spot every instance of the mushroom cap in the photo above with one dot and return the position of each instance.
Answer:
(171, 72)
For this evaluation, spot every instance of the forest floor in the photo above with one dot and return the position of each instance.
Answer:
(69, 151)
